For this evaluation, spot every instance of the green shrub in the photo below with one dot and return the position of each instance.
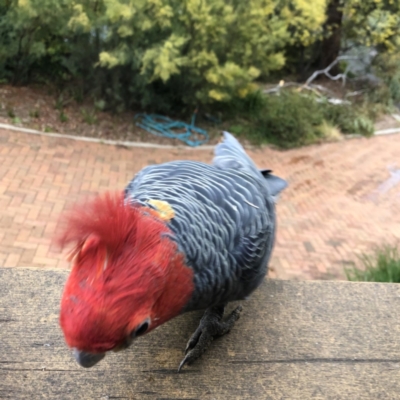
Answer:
(372, 23)
(33, 31)
(349, 118)
(293, 119)
(382, 266)
(387, 68)
(289, 120)
(159, 55)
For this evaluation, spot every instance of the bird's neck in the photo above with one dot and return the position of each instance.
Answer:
(177, 291)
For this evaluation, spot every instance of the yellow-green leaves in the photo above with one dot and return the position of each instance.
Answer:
(108, 60)
(119, 10)
(113, 58)
(202, 51)
(80, 19)
(306, 19)
(373, 23)
(25, 9)
(229, 81)
(162, 61)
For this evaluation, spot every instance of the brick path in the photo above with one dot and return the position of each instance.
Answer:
(331, 212)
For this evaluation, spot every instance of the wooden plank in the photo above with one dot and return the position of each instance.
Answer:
(295, 340)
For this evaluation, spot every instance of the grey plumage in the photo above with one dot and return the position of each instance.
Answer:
(224, 219)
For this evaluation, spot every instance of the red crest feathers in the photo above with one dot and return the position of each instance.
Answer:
(106, 217)
(124, 270)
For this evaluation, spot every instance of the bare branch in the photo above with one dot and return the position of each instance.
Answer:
(328, 68)
(319, 90)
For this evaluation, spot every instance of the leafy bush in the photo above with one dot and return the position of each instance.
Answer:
(157, 54)
(387, 67)
(293, 119)
(32, 31)
(349, 118)
(383, 266)
(372, 23)
(289, 120)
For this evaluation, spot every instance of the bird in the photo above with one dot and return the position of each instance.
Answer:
(182, 236)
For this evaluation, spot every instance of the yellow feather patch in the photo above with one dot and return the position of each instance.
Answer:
(163, 209)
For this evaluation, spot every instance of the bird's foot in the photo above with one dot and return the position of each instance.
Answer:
(211, 326)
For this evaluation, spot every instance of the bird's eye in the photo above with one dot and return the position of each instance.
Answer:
(141, 329)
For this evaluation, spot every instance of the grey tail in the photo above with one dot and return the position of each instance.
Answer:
(229, 154)
(274, 183)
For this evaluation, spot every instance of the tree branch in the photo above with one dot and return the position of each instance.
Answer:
(328, 68)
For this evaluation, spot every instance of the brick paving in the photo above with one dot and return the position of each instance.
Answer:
(343, 198)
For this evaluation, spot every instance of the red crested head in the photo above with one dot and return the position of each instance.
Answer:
(127, 275)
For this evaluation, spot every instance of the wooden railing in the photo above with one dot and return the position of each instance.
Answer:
(294, 340)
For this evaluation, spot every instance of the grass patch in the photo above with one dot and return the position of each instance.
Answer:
(331, 132)
(63, 117)
(11, 113)
(89, 116)
(350, 118)
(34, 114)
(382, 266)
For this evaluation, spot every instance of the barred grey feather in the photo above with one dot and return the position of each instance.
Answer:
(224, 220)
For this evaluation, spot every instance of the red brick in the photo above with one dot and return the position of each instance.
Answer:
(12, 260)
(331, 196)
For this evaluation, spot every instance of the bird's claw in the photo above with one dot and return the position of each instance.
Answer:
(211, 326)
(195, 348)
(194, 339)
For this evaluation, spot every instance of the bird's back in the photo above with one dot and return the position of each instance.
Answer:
(224, 221)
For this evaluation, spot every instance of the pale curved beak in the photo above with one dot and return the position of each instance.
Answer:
(87, 360)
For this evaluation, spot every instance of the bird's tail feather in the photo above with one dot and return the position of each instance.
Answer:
(230, 154)
(274, 183)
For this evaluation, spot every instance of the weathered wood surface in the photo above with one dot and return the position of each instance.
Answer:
(295, 340)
